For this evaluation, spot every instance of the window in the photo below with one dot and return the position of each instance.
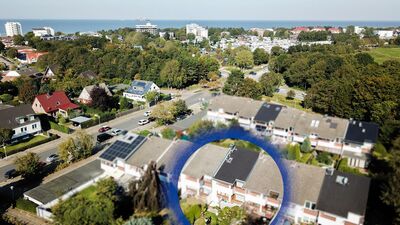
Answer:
(34, 126)
(309, 205)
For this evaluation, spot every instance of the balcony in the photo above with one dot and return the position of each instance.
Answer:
(239, 190)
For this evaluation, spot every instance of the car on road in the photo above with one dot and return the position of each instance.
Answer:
(103, 137)
(104, 129)
(147, 113)
(11, 174)
(253, 73)
(52, 158)
(116, 132)
(143, 122)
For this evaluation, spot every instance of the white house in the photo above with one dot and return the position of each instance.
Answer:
(385, 34)
(199, 31)
(22, 120)
(138, 90)
(85, 97)
(43, 31)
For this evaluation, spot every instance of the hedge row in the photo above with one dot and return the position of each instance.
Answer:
(59, 127)
(23, 148)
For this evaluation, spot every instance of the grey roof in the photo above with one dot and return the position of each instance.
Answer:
(151, 150)
(139, 87)
(189, 121)
(237, 165)
(88, 74)
(119, 87)
(80, 119)
(287, 118)
(54, 189)
(244, 107)
(28, 72)
(265, 177)
(205, 161)
(340, 199)
(167, 161)
(8, 116)
(306, 182)
(360, 132)
(268, 112)
(101, 85)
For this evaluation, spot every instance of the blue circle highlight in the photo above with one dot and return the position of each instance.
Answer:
(170, 188)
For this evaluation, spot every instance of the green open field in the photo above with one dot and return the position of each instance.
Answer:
(382, 54)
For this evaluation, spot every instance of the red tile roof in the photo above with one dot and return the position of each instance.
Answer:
(56, 100)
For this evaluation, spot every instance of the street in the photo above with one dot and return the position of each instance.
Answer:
(127, 122)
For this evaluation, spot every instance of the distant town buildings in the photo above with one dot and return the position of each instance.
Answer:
(199, 31)
(385, 34)
(147, 28)
(13, 29)
(43, 31)
(171, 35)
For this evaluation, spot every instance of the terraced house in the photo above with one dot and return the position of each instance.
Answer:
(348, 138)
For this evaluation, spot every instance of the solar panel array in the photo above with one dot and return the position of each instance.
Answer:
(121, 149)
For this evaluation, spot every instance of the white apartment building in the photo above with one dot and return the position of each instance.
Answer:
(147, 28)
(43, 31)
(13, 29)
(385, 34)
(199, 31)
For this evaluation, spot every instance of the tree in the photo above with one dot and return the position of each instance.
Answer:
(12, 53)
(146, 192)
(163, 113)
(2, 47)
(396, 41)
(191, 37)
(231, 215)
(277, 50)
(200, 127)
(260, 56)
(294, 152)
(18, 40)
(171, 74)
(106, 188)
(291, 94)
(100, 99)
(124, 103)
(244, 59)
(250, 88)
(270, 82)
(233, 82)
(168, 133)
(179, 108)
(77, 148)
(325, 158)
(5, 135)
(306, 145)
(151, 96)
(364, 59)
(66, 150)
(27, 90)
(29, 165)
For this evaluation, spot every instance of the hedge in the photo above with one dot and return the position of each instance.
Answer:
(59, 127)
(23, 148)
(89, 123)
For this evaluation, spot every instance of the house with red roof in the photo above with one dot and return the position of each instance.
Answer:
(53, 103)
(334, 30)
(298, 30)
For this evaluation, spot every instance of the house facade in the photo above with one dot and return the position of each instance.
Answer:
(53, 104)
(85, 97)
(138, 90)
(22, 120)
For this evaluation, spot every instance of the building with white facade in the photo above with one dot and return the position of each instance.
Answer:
(13, 29)
(147, 28)
(43, 31)
(199, 31)
(385, 34)
(138, 90)
(85, 96)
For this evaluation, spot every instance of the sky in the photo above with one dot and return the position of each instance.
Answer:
(367, 10)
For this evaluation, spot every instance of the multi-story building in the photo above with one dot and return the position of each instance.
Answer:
(13, 29)
(351, 139)
(138, 90)
(43, 31)
(147, 28)
(199, 31)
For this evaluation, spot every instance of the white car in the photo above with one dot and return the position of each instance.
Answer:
(52, 158)
(116, 132)
(147, 114)
(143, 122)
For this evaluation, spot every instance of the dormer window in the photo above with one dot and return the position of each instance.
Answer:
(58, 103)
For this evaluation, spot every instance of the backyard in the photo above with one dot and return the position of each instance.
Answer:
(382, 54)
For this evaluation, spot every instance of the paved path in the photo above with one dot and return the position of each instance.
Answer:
(26, 217)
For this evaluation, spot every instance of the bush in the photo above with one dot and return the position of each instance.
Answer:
(59, 127)
(294, 152)
(324, 158)
(144, 133)
(6, 97)
(89, 123)
(343, 167)
(168, 133)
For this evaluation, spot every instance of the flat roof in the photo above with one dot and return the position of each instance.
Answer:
(340, 199)
(80, 119)
(59, 186)
(205, 161)
(166, 162)
(245, 107)
(150, 150)
(237, 165)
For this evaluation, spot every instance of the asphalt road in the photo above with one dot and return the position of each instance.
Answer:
(130, 123)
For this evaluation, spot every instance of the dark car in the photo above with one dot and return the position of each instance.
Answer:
(11, 174)
(103, 137)
(104, 129)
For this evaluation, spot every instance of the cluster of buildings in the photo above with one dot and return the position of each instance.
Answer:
(198, 31)
(43, 31)
(349, 138)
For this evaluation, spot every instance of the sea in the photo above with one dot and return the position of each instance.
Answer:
(72, 26)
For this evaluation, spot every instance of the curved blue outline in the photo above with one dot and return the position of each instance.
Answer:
(170, 188)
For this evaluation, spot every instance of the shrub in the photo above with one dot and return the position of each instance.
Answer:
(294, 152)
(144, 133)
(324, 158)
(168, 133)
(60, 127)
(343, 167)
(23, 148)
(89, 123)
(6, 97)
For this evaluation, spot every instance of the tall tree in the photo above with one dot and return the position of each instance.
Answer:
(270, 82)
(100, 99)
(260, 56)
(233, 82)
(5, 135)
(171, 74)
(244, 59)
(29, 165)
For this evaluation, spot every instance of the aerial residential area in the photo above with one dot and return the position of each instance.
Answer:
(97, 114)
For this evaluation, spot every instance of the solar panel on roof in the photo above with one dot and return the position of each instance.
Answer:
(121, 149)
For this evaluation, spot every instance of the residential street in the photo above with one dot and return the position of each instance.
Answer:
(127, 122)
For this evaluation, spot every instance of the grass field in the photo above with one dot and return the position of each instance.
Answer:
(281, 99)
(382, 54)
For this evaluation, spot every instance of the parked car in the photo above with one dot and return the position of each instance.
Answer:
(104, 129)
(143, 122)
(253, 73)
(103, 137)
(147, 113)
(116, 132)
(11, 174)
(52, 158)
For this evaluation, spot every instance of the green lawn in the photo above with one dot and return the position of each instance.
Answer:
(22, 144)
(281, 99)
(26, 205)
(382, 54)
(89, 192)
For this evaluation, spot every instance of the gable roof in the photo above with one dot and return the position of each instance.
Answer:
(237, 165)
(268, 112)
(139, 87)
(340, 199)
(360, 132)
(8, 116)
(54, 101)
(101, 85)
